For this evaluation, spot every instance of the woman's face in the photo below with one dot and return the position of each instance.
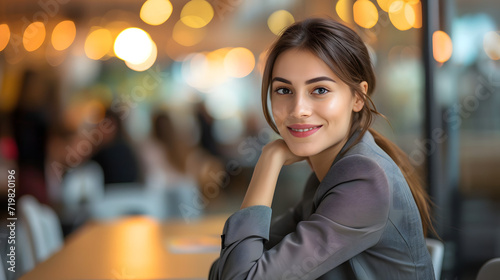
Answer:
(311, 106)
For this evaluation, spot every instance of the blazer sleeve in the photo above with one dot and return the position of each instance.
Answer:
(287, 222)
(349, 218)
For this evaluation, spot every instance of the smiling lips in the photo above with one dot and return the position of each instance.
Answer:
(303, 130)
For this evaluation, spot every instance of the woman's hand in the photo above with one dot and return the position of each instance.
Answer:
(265, 175)
(280, 149)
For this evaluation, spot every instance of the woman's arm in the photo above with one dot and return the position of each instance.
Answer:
(263, 183)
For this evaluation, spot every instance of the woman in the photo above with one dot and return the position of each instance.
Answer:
(363, 214)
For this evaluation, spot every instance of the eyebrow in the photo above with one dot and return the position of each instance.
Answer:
(311, 81)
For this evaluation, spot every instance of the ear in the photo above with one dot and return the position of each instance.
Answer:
(359, 101)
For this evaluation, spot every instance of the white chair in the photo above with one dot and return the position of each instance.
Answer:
(82, 187)
(2, 271)
(436, 249)
(490, 270)
(122, 199)
(43, 228)
(25, 260)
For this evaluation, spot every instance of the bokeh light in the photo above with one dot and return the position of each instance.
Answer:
(279, 20)
(156, 12)
(205, 71)
(4, 36)
(223, 103)
(491, 45)
(417, 10)
(194, 71)
(98, 43)
(468, 33)
(344, 10)
(34, 35)
(187, 36)
(146, 64)
(409, 14)
(217, 72)
(239, 62)
(197, 13)
(115, 27)
(63, 35)
(442, 47)
(365, 13)
(385, 4)
(133, 45)
(398, 15)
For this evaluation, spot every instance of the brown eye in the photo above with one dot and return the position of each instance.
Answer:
(320, 91)
(283, 91)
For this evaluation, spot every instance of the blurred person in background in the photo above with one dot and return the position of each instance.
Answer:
(205, 121)
(173, 161)
(34, 115)
(165, 154)
(115, 154)
(8, 155)
(364, 213)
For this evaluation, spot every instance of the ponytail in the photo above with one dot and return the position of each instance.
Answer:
(414, 182)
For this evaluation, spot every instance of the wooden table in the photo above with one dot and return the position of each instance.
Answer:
(134, 248)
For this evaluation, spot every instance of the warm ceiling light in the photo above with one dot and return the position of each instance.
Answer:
(343, 9)
(63, 35)
(279, 20)
(33, 36)
(417, 10)
(239, 62)
(146, 64)
(442, 47)
(133, 45)
(197, 13)
(4, 36)
(156, 12)
(365, 13)
(491, 45)
(98, 43)
(399, 17)
(385, 4)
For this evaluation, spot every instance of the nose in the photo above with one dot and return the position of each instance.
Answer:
(301, 106)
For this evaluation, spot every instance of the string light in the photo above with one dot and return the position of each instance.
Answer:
(133, 45)
(156, 12)
(365, 13)
(442, 47)
(63, 35)
(4, 36)
(33, 36)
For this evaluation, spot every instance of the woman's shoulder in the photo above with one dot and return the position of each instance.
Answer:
(363, 161)
(357, 176)
(367, 150)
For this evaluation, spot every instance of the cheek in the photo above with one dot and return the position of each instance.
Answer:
(278, 112)
(337, 111)
(334, 108)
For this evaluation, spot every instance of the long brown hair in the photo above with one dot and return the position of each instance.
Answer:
(347, 56)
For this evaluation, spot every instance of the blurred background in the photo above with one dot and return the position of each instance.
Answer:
(123, 107)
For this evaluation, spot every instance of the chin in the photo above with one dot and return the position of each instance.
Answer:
(302, 151)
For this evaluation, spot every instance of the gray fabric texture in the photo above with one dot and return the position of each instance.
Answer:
(360, 222)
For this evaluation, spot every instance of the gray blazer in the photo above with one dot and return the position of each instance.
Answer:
(360, 222)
